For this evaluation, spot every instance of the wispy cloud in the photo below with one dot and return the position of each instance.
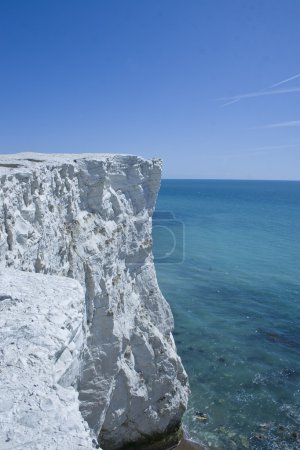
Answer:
(291, 123)
(237, 98)
(262, 92)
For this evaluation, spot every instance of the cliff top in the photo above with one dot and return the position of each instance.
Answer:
(30, 159)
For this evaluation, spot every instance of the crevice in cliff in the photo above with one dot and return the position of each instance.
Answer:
(8, 230)
(90, 292)
(10, 165)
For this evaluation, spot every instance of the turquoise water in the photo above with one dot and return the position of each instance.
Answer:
(236, 303)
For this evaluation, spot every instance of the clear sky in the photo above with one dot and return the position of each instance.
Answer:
(166, 78)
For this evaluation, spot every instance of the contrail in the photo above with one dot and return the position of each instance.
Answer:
(262, 92)
(285, 81)
(237, 98)
(231, 102)
(292, 123)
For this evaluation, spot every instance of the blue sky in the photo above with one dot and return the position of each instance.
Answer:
(166, 78)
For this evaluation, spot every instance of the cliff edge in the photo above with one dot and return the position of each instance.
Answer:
(88, 217)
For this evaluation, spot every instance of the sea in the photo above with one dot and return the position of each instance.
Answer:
(227, 256)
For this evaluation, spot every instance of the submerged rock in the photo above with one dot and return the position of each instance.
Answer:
(88, 217)
(201, 417)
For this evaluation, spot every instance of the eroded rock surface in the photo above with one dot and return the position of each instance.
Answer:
(41, 339)
(88, 217)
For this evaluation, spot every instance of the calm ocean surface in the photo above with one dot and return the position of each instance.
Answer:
(236, 303)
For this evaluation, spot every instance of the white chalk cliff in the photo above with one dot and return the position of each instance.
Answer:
(41, 336)
(111, 352)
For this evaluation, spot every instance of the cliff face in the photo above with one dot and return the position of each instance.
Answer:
(41, 337)
(88, 217)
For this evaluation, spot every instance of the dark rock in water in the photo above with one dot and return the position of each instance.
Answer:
(191, 349)
(272, 336)
(295, 435)
(259, 436)
(221, 359)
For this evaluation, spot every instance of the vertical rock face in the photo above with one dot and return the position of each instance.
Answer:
(88, 217)
(41, 337)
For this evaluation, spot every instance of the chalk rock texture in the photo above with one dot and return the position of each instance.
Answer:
(41, 339)
(88, 217)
